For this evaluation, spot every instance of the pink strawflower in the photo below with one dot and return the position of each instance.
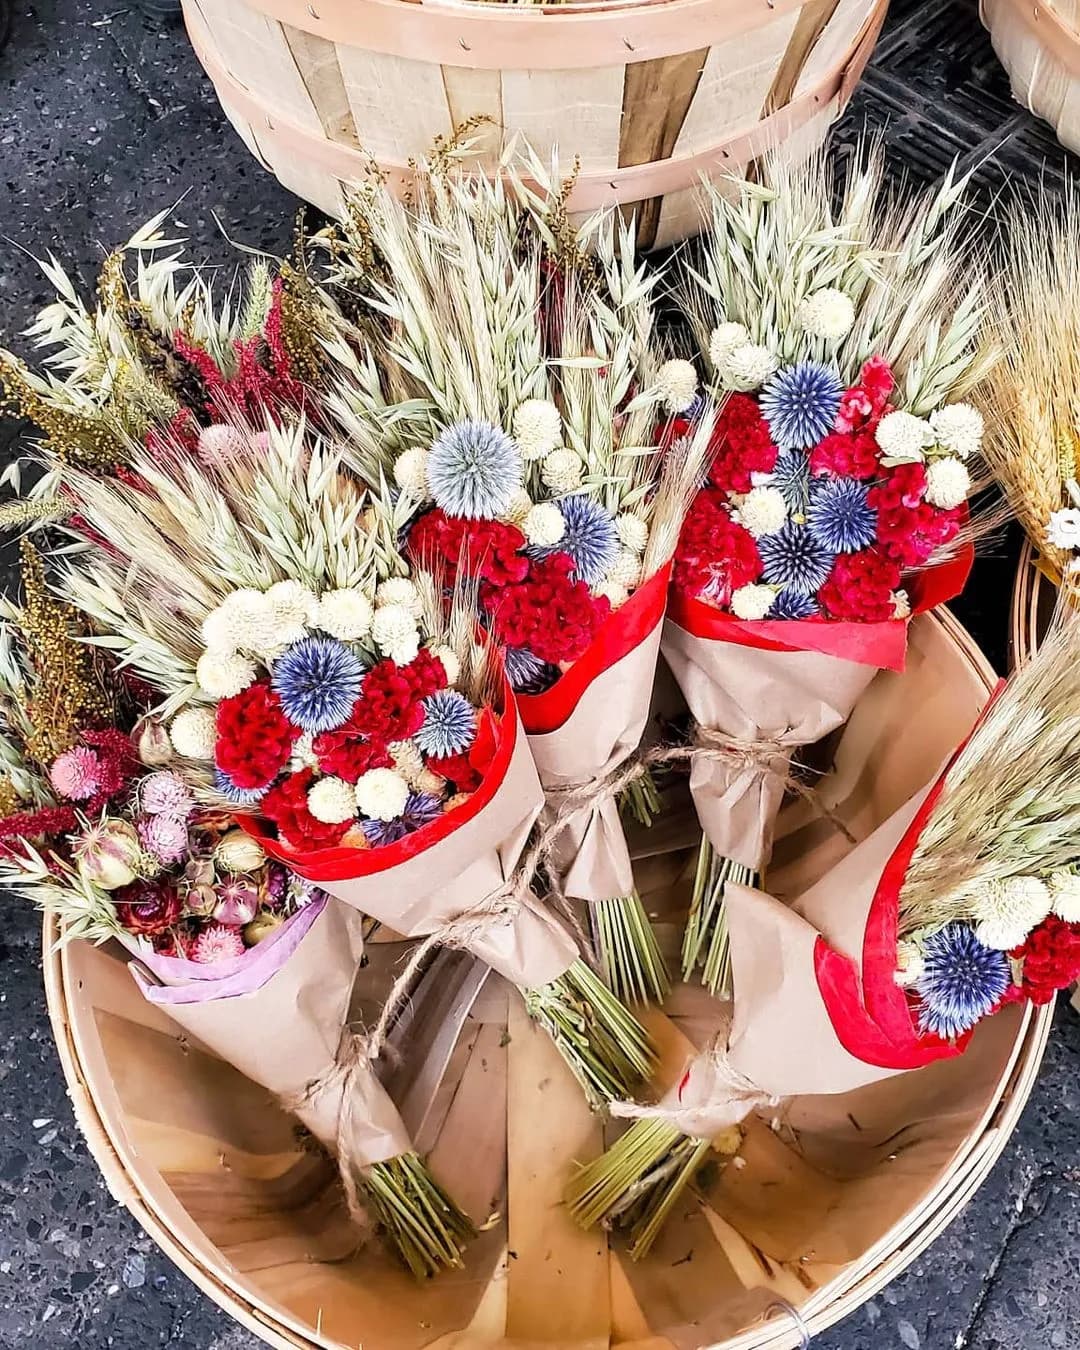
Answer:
(164, 794)
(166, 837)
(76, 774)
(217, 943)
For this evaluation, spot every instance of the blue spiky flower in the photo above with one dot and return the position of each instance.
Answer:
(799, 403)
(590, 538)
(961, 981)
(449, 724)
(794, 559)
(527, 673)
(792, 605)
(791, 475)
(474, 469)
(839, 515)
(421, 808)
(318, 681)
(239, 796)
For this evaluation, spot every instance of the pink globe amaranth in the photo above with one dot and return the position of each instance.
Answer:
(76, 774)
(165, 837)
(220, 443)
(165, 794)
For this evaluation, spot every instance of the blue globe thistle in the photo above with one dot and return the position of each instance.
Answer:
(527, 673)
(318, 681)
(792, 605)
(961, 981)
(474, 469)
(421, 808)
(791, 476)
(590, 538)
(840, 517)
(799, 403)
(449, 724)
(794, 559)
(225, 787)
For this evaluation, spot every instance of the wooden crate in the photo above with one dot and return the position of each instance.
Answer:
(1038, 43)
(819, 1215)
(649, 95)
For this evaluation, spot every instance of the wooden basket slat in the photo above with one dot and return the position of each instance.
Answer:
(574, 111)
(1038, 43)
(412, 89)
(839, 34)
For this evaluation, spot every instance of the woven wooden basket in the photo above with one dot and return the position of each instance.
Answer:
(823, 1210)
(1038, 43)
(1033, 600)
(649, 94)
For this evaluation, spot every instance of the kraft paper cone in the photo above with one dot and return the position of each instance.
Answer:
(284, 1031)
(749, 694)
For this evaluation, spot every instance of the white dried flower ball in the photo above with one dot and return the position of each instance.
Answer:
(747, 367)
(947, 482)
(303, 753)
(381, 794)
(450, 661)
(399, 591)
(332, 800)
(901, 604)
(345, 614)
(220, 443)
(430, 783)
(632, 531)
(1063, 528)
(1065, 895)
(394, 632)
(615, 594)
(562, 471)
(902, 437)
(909, 964)
(625, 569)
(677, 383)
(224, 674)
(253, 623)
(544, 525)
(537, 427)
(827, 314)
(193, 733)
(408, 761)
(410, 472)
(293, 608)
(723, 340)
(958, 428)
(763, 511)
(520, 506)
(1005, 912)
(752, 602)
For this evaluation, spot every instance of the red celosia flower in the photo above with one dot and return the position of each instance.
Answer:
(741, 445)
(488, 549)
(254, 737)
(847, 455)
(347, 755)
(148, 907)
(200, 360)
(1051, 957)
(286, 806)
(117, 764)
(904, 485)
(45, 823)
(860, 586)
(550, 614)
(911, 536)
(867, 400)
(389, 706)
(716, 555)
(457, 770)
(876, 378)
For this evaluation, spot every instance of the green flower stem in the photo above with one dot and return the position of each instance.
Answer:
(629, 953)
(418, 1218)
(705, 939)
(604, 1044)
(641, 799)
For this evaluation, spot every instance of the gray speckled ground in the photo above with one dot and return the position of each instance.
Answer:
(104, 119)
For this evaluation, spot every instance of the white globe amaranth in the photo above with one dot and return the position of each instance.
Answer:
(625, 569)
(1063, 528)
(544, 526)
(901, 605)
(303, 753)
(632, 531)
(903, 438)
(909, 964)
(332, 800)
(223, 674)
(411, 473)
(947, 482)
(1065, 895)
(763, 511)
(292, 607)
(394, 632)
(958, 428)
(723, 340)
(1005, 912)
(408, 761)
(562, 471)
(254, 624)
(615, 594)
(193, 733)
(381, 794)
(399, 591)
(451, 663)
(677, 384)
(752, 602)
(520, 506)
(430, 783)
(537, 427)
(827, 314)
(345, 614)
(747, 367)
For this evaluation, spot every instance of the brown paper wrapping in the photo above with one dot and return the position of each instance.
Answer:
(286, 1036)
(445, 882)
(790, 698)
(600, 735)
